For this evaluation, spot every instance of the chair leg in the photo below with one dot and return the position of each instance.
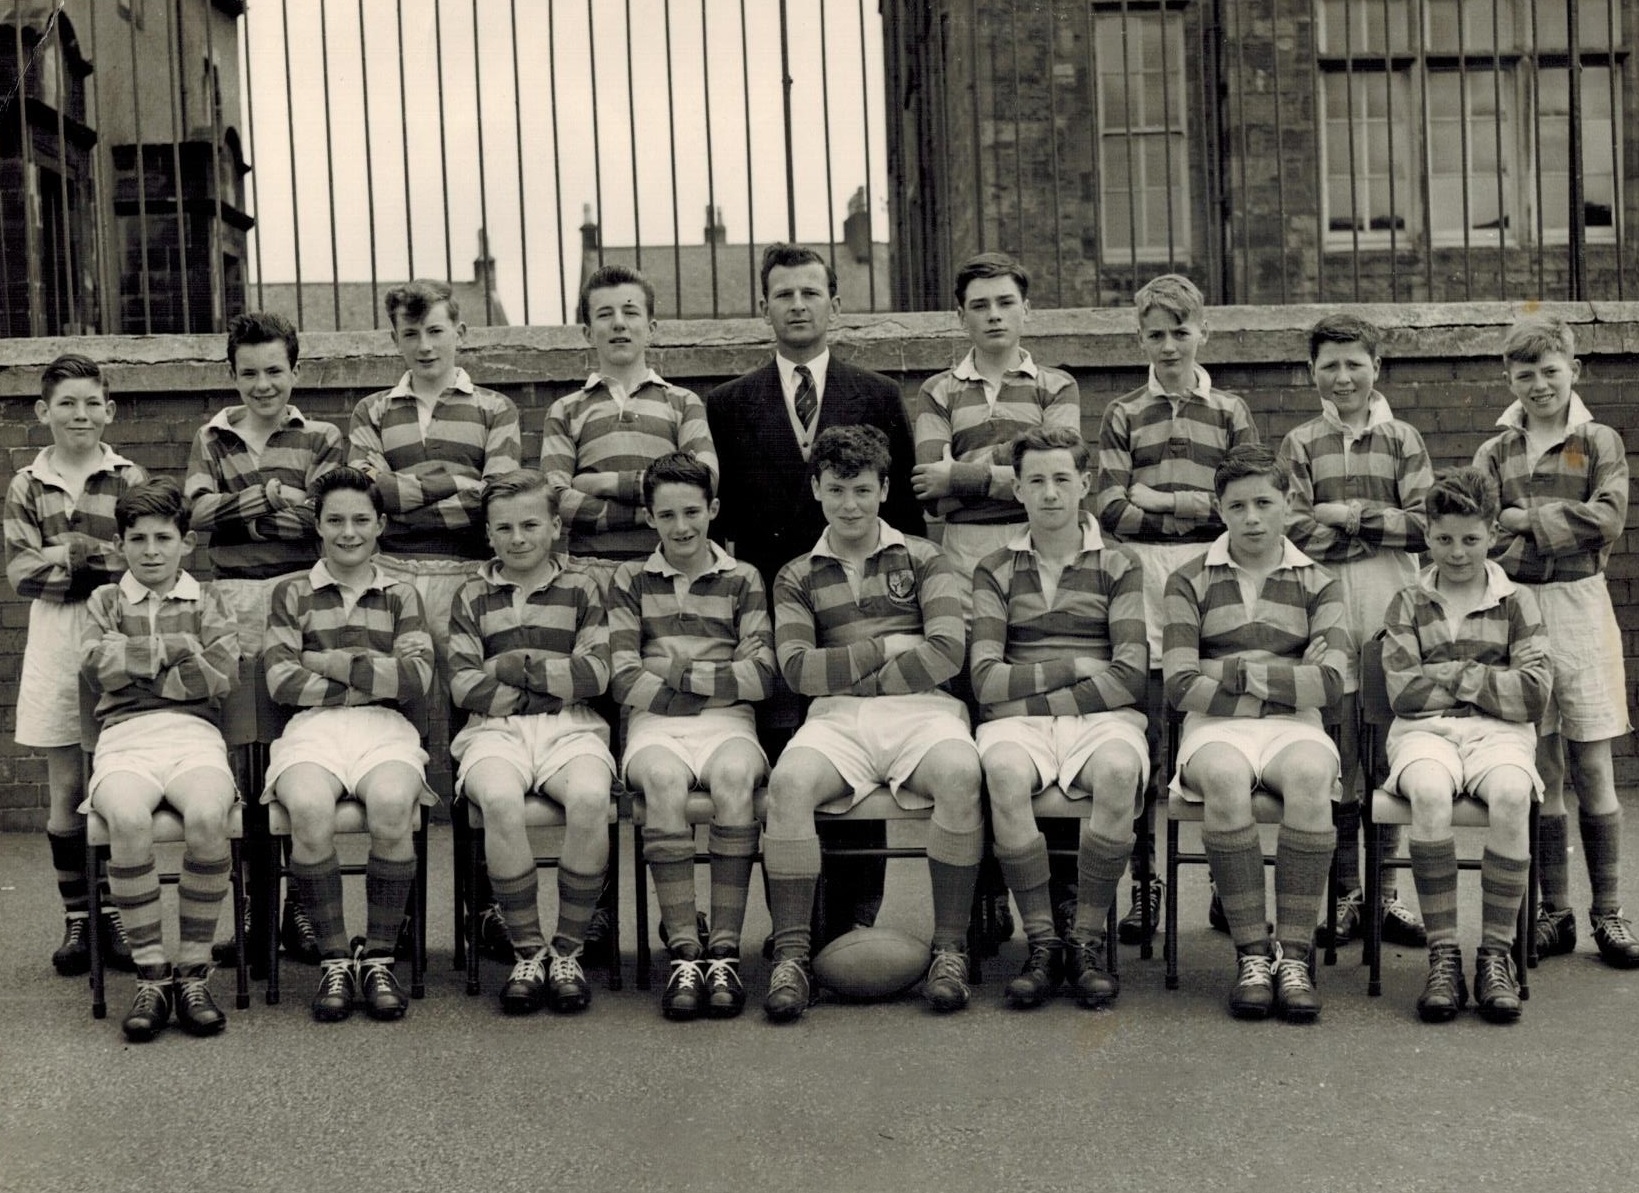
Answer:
(418, 930)
(1331, 912)
(1111, 953)
(475, 845)
(640, 892)
(257, 852)
(276, 874)
(615, 980)
(99, 1001)
(1170, 943)
(1532, 892)
(241, 998)
(1372, 949)
(1146, 871)
(460, 883)
(976, 936)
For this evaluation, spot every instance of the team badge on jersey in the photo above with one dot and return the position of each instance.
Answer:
(902, 585)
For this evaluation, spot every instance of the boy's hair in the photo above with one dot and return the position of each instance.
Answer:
(1049, 439)
(790, 256)
(1535, 336)
(520, 482)
(70, 366)
(261, 327)
(676, 468)
(1465, 492)
(1343, 328)
(157, 498)
(1251, 459)
(849, 451)
(1176, 295)
(990, 265)
(414, 300)
(345, 479)
(607, 277)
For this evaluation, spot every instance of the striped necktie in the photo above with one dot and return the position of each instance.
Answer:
(807, 401)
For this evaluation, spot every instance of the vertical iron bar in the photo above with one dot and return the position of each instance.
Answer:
(1536, 139)
(711, 179)
(255, 188)
(67, 222)
(973, 93)
(1018, 138)
(483, 184)
(865, 101)
(213, 81)
(25, 154)
(1280, 162)
(1462, 133)
(1239, 41)
(330, 169)
(1354, 173)
(1616, 148)
(290, 132)
(175, 101)
(1423, 169)
(1096, 156)
(142, 187)
(1496, 120)
(1132, 175)
(790, 160)
(1053, 152)
(671, 132)
(443, 131)
(597, 143)
(1579, 212)
(518, 134)
(631, 124)
(404, 130)
(105, 293)
(369, 166)
(825, 110)
(1388, 112)
(557, 163)
(1166, 137)
(751, 203)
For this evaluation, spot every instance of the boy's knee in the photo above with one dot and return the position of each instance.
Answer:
(1117, 770)
(951, 771)
(585, 807)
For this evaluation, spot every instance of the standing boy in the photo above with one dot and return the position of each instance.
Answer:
(62, 544)
(347, 646)
(1358, 479)
(1466, 661)
(528, 649)
(1255, 648)
(1563, 481)
(693, 650)
(161, 651)
(868, 623)
(1060, 661)
(1158, 448)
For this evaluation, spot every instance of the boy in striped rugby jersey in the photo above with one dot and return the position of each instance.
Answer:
(61, 544)
(528, 649)
(692, 650)
(1563, 482)
(162, 652)
(1060, 661)
(1255, 647)
(1468, 670)
(1358, 479)
(248, 474)
(346, 644)
(869, 624)
(1157, 449)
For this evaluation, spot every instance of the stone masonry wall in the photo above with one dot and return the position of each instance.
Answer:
(1443, 375)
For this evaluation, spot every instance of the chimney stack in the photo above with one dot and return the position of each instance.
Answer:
(856, 229)
(716, 233)
(590, 233)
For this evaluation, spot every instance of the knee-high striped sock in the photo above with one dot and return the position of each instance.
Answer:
(1302, 862)
(1553, 860)
(199, 905)
(953, 870)
(1502, 886)
(1434, 870)
(1236, 861)
(318, 888)
(1027, 875)
(671, 862)
(388, 885)
(1101, 863)
(732, 847)
(577, 900)
(135, 891)
(1602, 847)
(68, 859)
(518, 899)
(792, 867)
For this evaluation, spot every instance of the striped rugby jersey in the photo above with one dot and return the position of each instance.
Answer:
(392, 653)
(40, 514)
(1576, 494)
(1023, 651)
(226, 491)
(953, 411)
(514, 653)
(1142, 442)
(828, 637)
(1385, 468)
(1433, 670)
(1224, 657)
(144, 652)
(433, 483)
(679, 646)
(591, 431)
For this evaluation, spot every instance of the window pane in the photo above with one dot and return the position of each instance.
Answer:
(1482, 25)
(1595, 19)
(1357, 26)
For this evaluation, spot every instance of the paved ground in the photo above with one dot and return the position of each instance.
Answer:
(1163, 1092)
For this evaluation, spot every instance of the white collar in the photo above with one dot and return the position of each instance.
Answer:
(135, 591)
(490, 570)
(321, 577)
(968, 368)
(1377, 413)
(1576, 414)
(1217, 555)
(721, 561)
(42, 468)
(459, 382)
(817, 368)
(1201, 389)
(1497, 584)
(1091, 539)
(887, 537)
(229, 418)
(596, 379)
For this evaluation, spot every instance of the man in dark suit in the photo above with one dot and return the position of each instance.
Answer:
(764, 425)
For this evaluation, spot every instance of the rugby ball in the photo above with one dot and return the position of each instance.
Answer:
(872, 963)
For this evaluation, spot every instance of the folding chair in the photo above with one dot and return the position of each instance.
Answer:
(699, 811)
(168, 830)
(1267, 808)
(1387, 808)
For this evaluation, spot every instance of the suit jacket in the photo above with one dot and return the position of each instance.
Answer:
(768, 508)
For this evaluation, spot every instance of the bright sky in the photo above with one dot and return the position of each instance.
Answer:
(583, 39)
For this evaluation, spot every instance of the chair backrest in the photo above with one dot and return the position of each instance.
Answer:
(1374, 687)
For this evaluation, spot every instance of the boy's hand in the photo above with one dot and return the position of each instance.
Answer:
(1334, 513)
(597, 484)
(1087, 667)
(1514, 519)
(1315, 653)
(427, 468)
(1196, 506)
(1529, 653)
(275, 494)
(932, 481)
(894, 645)
(1152, 501)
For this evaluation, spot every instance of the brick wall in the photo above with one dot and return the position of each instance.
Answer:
(1443, 375)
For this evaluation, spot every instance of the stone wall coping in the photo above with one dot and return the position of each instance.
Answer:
(919, 342)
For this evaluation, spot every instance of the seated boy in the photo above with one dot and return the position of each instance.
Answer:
(528, 648)
(1255, 648)
(1060, 662)
(1358, 479)
(1466, 660)
(869, 624)
(346, 645)
(162, 653)
(692, 649)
